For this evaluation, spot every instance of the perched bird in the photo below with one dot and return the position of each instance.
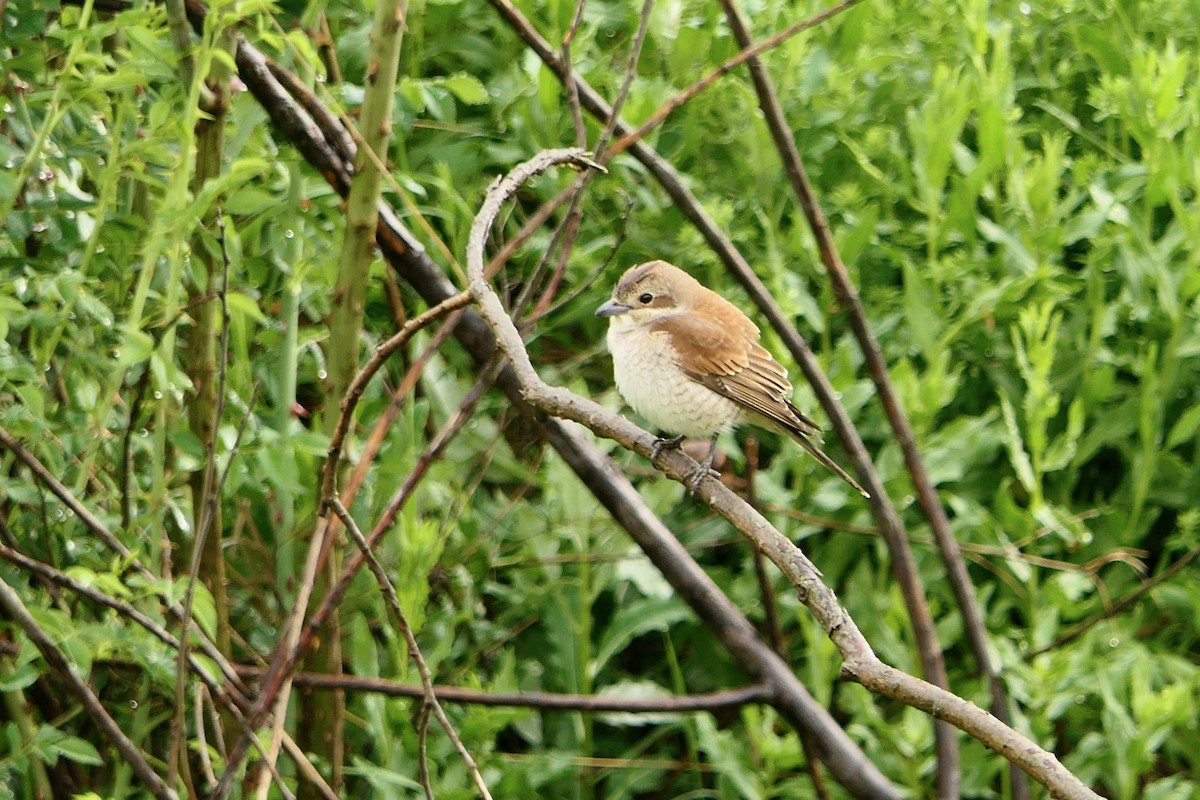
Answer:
(689, 361)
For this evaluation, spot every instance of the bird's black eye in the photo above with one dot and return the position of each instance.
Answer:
(645, 299)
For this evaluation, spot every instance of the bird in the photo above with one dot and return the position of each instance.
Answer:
(690, 362)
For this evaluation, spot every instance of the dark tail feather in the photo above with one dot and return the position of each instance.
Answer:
(828, 462)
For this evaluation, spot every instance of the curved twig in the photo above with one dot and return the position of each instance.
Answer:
(859, 661)
(414, 649)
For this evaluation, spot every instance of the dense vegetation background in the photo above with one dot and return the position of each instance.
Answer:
(1013, 187)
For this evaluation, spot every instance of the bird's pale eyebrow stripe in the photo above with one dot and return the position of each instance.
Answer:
(633, 277)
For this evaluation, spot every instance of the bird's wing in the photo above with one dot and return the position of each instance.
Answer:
(728, 359)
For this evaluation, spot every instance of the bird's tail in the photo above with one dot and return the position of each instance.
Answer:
(828, 462)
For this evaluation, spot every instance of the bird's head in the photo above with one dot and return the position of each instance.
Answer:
(647, 292)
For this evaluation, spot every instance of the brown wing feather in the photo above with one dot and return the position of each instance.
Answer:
(720, 349)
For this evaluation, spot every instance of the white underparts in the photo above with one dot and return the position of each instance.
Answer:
(651, 381)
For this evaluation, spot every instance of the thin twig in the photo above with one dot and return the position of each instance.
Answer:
(1116, 608)
(631, 63)
(373, 365)
(276, 682)
(101, 531)
(414, 649)
(655, 119)
(586, 284)
(572, 95)
(58, 578)
(206, 766)
(412, 374)
(766, 592)
(126, 477)
(570, 226)
(423, 746)
(209, 504)
(929, 650)
(229, 696)
(532, 225)
(555, 701)
(326, 529)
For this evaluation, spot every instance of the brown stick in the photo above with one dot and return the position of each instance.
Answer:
(667, 108)
(595, 704)
(429, 696)
(1119, 606)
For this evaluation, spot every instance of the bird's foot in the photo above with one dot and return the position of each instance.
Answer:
(703, 471)
(661, 444)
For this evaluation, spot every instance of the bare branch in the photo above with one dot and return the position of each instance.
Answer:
(229, 697)
(276, 683)
(667, 108)
(592, 703)
(101, 531)
(1119, 606)
(373, 365)
(929, 650)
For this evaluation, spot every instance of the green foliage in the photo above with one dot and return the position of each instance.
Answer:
(1015, 188)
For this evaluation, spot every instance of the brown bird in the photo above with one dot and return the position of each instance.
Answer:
(689, 361)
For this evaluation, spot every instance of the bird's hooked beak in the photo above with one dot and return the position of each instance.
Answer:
(611, 309)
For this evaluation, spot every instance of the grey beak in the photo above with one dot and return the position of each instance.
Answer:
(611, 309)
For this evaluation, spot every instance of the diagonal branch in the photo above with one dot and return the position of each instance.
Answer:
(101, 531)
(843, 286)
(429, 697)
(230, 698)
(15, 610)
(886, 517)
(667, 108)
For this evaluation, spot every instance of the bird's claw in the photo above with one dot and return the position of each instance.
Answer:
(703, 471)
(661, 444)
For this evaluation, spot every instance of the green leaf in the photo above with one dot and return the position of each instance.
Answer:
(467, 88)
(1016, 446)
(78, 750)
(1184, 427)
(633, 620)
(136, 347)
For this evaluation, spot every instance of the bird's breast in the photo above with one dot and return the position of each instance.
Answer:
(648, 376)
